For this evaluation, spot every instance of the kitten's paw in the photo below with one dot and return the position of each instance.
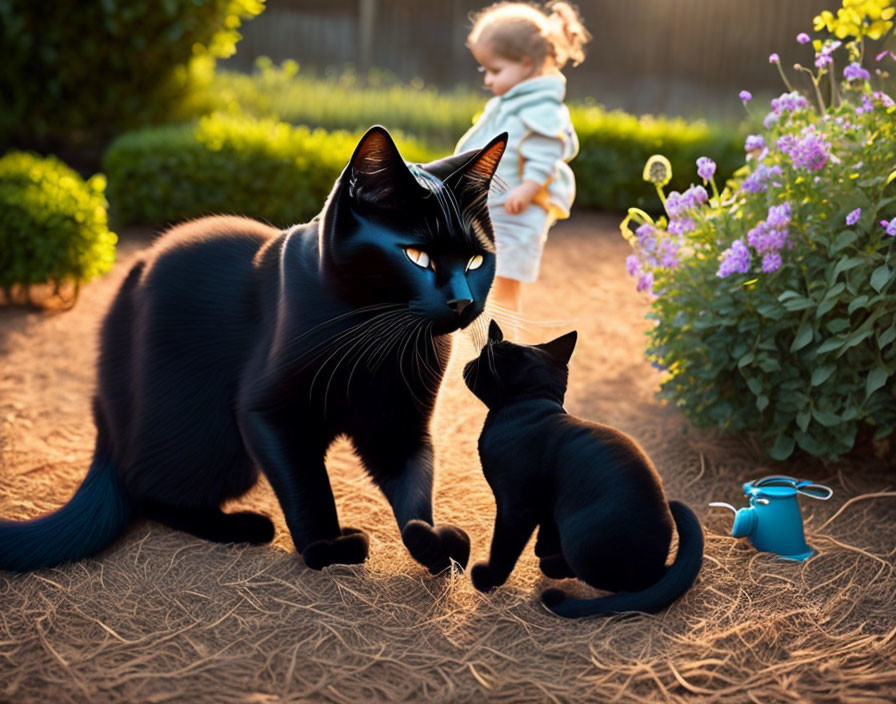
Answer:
(435, 547)
(248, 527)
(482, 577)
(555, 567)
(350, 548)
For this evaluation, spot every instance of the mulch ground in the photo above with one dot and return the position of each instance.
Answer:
(163, 616)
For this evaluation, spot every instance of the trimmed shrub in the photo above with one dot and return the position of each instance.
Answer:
(74, 70)
(53, 226)
(263, 169)
(614, 146)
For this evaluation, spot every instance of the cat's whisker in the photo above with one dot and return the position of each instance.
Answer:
(352, 340)
(338, 335)
(374, 345)
(393, 337)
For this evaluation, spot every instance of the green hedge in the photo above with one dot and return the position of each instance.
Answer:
(79, 70)
(53, 226)
(225, 164)
(614, 144)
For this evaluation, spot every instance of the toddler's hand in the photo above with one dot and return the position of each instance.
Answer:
(519, 198)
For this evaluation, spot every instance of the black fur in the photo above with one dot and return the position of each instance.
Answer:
(233, 347)
(595, 497)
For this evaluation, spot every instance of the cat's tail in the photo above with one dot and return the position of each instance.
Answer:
(97, 513)
(675, 582)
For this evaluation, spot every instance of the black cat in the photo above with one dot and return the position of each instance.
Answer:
(233, 347)
(595, 497)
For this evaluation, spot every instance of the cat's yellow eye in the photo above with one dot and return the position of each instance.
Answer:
(419, 257)
(475, 262)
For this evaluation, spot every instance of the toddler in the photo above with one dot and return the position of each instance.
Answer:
(521, 49)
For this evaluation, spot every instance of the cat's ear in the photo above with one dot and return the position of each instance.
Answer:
(378, 177)
(481, 165)
(494, 332)
(561, 349)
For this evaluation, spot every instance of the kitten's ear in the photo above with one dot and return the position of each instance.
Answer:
(481, 165)
(377, 175)
(561, 349)
(494, 332)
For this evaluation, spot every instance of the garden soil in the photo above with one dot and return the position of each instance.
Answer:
(162, 616)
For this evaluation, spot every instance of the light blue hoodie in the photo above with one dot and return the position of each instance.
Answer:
(540, 141)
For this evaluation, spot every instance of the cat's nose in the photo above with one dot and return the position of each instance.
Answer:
(459, 304)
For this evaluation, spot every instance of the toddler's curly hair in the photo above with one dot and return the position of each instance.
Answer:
(520, 30)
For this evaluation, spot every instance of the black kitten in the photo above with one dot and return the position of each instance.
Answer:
(595, 497)
(233, 347)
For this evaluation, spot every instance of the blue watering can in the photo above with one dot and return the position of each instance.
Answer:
(773, 523)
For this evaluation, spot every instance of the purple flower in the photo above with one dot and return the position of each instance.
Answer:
(766, 239)
(883, 99)
(745, 95)
(854, 72)
(789, 102)
(754, 143)
(696, 195)
(706, 167)
(803, 38)
(632, 264)
(854, 216)
(681, 226)
(866, 106)
(779, 215)
(774, 58)
(771, 262)
(823, 59)
(757, 182)
(889, 227)
(734, 259)
(810, 151)
(645, 282)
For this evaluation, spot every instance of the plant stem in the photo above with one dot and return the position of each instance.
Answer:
(783, 77)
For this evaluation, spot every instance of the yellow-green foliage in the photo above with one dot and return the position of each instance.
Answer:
(342, 102)
(614, 146)
(53, 226)
(613, 143)
(229, 164)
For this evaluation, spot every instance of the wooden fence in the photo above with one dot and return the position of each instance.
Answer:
(685, 57)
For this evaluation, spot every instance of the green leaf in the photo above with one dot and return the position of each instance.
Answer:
(794, 304)
(745, 360)
(802, 419)
(837, 325)
(845, 264)
(826, 418)
(782, 447)
(844, 239)
(803, 336)
(822, 374)
(762, 402)
(857, 337)
(880, 277)
(835, 290)
(770, 310)
(830, 345)
(887, 336)
(755, 386)
(824, 307)
(857, 303)
(877, 377)
(789, 294)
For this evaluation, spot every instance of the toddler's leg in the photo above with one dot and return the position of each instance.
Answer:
(507, 294)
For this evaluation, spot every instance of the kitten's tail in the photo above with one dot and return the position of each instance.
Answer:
(677, 580)
(96, 514)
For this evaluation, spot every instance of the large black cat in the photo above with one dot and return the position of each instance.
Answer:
(595, 497)
(232, 347)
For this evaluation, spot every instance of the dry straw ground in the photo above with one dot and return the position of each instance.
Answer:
(162, 616)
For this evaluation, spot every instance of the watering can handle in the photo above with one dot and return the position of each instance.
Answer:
(803, 486)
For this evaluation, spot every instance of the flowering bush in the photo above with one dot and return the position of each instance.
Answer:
(774, 301)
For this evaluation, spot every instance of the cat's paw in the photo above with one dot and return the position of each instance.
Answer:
(435, 547)
(350, 548)
(483, 578)
(555, 567)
